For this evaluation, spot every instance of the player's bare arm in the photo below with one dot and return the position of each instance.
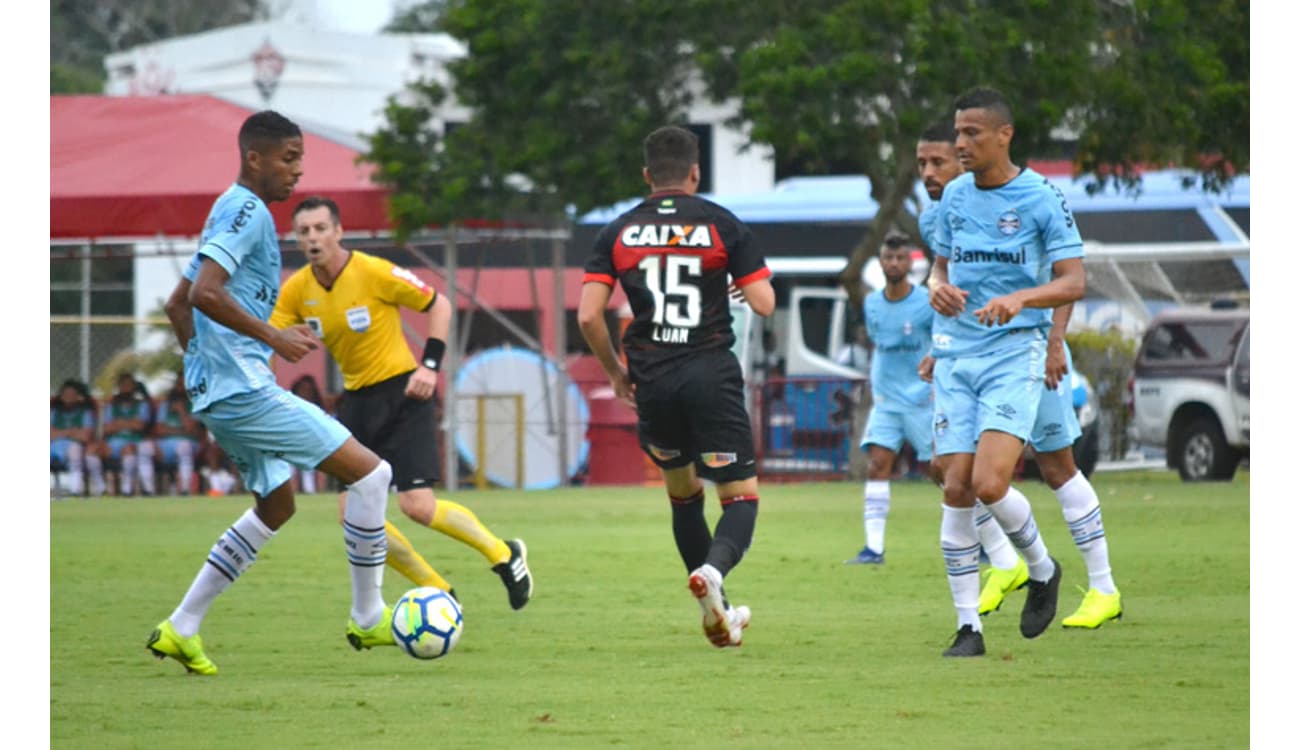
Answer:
(1057, 367)
(1068, 286)
(209, 295)
(424, 380)
(591, 321)
(945, 298)
(181, 313)
(760, 297)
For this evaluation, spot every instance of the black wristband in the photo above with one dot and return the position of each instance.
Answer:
(433, 351)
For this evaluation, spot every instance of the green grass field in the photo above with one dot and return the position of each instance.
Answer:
(610, 651)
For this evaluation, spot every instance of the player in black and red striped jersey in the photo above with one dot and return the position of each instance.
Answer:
(674, 254)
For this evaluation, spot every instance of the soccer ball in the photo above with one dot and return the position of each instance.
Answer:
(427, 623)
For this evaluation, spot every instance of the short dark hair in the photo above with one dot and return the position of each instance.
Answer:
(896, 240)
(983, 97)
(265, 128)
(670, 152)
(317, 201)
(940, 132)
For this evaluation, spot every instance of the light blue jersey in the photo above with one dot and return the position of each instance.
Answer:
(998, 241)
(900, 331)
(240, 237)
(927, 221)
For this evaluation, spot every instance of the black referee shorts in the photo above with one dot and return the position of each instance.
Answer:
(694, 411)
(403, 431)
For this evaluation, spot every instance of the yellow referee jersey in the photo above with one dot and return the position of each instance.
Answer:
(358, 316)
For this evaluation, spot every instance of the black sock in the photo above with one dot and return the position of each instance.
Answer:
(734, 532)
(690, 530)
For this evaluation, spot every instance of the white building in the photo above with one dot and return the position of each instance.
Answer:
(336, 84)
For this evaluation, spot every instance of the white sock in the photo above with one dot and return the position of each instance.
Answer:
(185, 466)
(76, 467)
(1082, 511)
(309, 482)
(367, 543)
(146, 468)
(1017, 519)
(128, 474)
(875, 510)
(95, 469)
(961, 556)
(996, 543)
(233, 553)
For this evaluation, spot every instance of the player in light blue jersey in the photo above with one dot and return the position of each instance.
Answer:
(898, 321)
(999, 227)
(1056, 427)
(936, 165)
(219, 311)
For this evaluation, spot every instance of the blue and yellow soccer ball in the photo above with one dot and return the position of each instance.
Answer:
(427, 623)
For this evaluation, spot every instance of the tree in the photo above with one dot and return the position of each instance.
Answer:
(1143, 82)
(1174, 90)
(83, 32)
(857, 81)
(562, 92)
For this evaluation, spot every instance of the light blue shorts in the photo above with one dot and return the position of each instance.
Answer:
(889, 429)
(1057, 424)
(59, 449)
(265, 432)
(169, 447)
(996, 391)
(116, 444)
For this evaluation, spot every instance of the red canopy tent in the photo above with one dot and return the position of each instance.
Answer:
(147, 166)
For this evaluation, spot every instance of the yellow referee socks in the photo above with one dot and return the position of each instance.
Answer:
(460, 523)
(403, 558)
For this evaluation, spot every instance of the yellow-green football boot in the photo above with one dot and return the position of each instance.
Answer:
(379, 634)
(1096, 609)
(998, 583)
(165, 641)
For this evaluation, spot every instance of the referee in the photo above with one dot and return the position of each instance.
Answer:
(352, 300)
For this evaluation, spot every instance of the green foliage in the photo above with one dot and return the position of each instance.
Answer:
(70, 79)
(82, 32)
(609, 652)
(562, 92)
(1106, 358)
(1174, 90)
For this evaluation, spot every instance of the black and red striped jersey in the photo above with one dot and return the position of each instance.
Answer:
(675, 254)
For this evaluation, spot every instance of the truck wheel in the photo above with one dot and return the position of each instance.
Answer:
(1203, 454)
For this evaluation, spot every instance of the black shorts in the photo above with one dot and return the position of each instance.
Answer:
(403, 431)
(694, 412)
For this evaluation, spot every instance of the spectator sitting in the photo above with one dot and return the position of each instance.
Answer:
(179, 435)
(72, 438)
(127, 421)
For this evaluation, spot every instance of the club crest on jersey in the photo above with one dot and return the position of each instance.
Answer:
(1009, 223)
(666, 235)
(717, 460)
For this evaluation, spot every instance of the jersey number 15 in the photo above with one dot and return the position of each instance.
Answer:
(677, 300)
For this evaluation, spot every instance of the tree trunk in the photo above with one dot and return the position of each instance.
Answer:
(890, 210)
